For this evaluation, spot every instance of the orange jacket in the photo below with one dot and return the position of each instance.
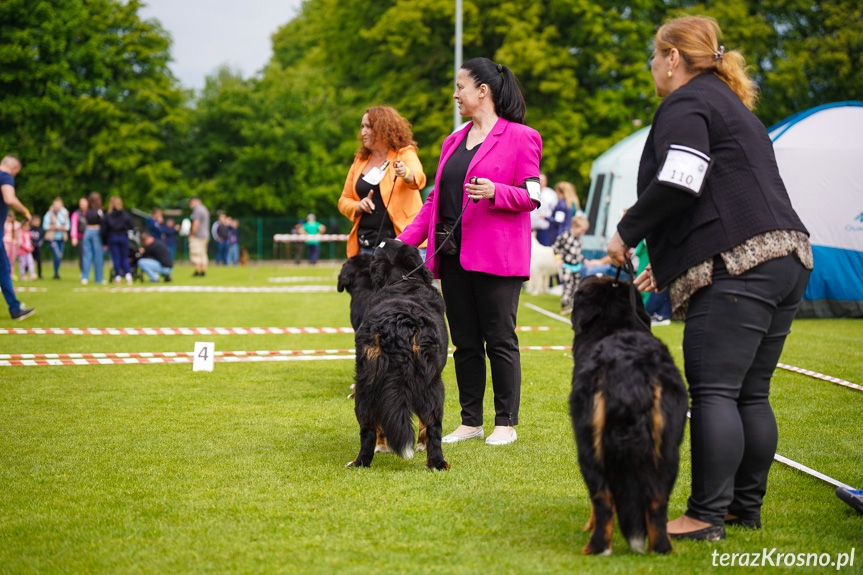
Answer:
(403, 203)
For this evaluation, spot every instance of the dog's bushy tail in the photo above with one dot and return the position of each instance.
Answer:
(403, 343)
(631, 445)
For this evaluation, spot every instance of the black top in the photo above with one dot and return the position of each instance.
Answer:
(93, 217)
(159, 252)
(742, 196)
(451, 188)
(372, 221)
(118, 222)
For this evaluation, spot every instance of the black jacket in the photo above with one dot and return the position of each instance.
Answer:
(742, 195)
(118, 222)
(159, 252)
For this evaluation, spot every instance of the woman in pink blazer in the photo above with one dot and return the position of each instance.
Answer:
(490, 171)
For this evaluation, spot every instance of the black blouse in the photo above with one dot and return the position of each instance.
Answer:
(451, 187)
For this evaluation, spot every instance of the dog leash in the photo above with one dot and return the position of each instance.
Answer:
(409, 275)
(626, 267)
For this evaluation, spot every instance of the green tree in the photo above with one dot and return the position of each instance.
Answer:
(88, 101)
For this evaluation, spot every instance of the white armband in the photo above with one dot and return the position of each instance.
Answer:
(685, 168)
(533, 189)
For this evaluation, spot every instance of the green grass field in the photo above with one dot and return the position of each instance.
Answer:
(159, 469)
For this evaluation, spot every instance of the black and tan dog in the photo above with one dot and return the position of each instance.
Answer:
(355, 277)
(401, 348)
(628, 407)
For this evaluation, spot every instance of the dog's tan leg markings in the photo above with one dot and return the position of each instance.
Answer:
(422, 437)
(592, 521)
(382, 446)
(416, 346)
(598, 425)
(657, 423)
(603, 509)
(657, 537)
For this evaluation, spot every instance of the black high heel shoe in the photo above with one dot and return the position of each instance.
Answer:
(712, 533)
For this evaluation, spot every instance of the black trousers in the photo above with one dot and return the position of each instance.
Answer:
(734, 334)
(481, 310)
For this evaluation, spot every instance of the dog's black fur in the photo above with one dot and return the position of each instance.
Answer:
(356, 278)
(401, 349)
(628, 408)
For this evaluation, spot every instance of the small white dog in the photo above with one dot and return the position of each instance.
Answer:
(544, 264)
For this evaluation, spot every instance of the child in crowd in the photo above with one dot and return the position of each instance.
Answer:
(169, 232)
(568, 246)
(25, 254)
(37, 236)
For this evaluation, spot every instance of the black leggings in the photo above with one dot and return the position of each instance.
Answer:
(481, 310)
(734, 334)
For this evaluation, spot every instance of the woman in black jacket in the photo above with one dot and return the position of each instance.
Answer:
(116, 226)
(723, 237)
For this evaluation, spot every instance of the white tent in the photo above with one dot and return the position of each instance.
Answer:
(613, 178)
(820, 157)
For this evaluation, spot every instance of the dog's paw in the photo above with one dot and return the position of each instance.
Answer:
(356, 463)
(588, 550)
(351, 396)
(441, 465)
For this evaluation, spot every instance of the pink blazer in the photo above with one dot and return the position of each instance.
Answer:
(495, 233)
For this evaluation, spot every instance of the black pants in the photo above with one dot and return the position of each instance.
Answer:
(481, 309)
(734, 334)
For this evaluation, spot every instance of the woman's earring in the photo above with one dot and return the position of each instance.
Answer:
(669, 72)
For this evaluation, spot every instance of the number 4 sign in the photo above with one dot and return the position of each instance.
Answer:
(204, 352)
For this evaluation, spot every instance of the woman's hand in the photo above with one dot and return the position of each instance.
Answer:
(645, 282)
(366, 205)
(403, 172)
(617, 251)
(482, 189)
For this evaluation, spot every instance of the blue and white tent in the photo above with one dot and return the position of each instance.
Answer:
(820, 157)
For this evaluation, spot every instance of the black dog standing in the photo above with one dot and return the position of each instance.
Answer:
(628, 408)
(401, 349)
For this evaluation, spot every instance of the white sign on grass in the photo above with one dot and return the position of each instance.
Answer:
(204, 352)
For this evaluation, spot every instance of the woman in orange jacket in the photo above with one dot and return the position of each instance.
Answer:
(381, 207)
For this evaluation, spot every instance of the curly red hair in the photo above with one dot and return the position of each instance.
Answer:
(389, 126)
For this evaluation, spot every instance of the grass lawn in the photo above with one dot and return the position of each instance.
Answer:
(159, 469)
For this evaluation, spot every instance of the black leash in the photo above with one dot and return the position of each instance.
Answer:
(626, 267)
(409, 275)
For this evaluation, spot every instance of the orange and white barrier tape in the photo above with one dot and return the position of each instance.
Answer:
(22, 289)
(161, 360)
(817, 375)
(192, 330)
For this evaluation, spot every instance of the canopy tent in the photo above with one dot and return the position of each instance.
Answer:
(820, 157)
(613, 178)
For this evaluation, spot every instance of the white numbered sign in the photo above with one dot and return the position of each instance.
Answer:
(684, 168)
(204, 352)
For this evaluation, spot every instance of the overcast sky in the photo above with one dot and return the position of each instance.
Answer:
(209, 33)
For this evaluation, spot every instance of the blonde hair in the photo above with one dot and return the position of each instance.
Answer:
(696, 38)
(568, 191)
(115, 203)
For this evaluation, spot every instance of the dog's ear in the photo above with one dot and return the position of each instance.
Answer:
(345, 278)
(582, 316)
(408, 257)
(380, 271)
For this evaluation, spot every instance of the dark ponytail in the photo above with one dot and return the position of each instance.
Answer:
(505, 93)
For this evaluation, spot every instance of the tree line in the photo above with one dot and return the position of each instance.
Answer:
(89, 104)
